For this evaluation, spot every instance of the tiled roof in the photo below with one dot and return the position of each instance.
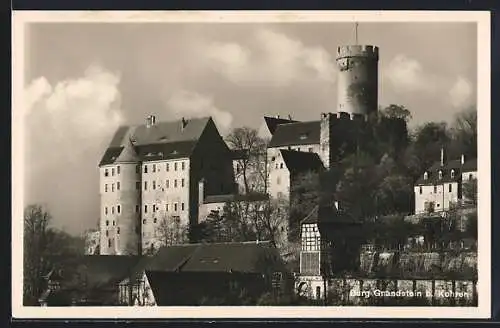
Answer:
(297, 161)
(299, 133)
(163, 140)
(235, 198)
(433, 172)
(273, 122)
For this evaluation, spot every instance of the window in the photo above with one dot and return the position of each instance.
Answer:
(154, 208)
(145, 169)
(107, 233)
(113, 172)
(276, 165)
(318, 292)
(118, 209)
(167, 167)
(166, 207)
(310, 149)
(298, 148)
(183, 166)
(118, 170)
(175, 207)
(175, 166)
(136, 208)
(426, 176)
(280, 194)
(144, 221)
(137, 185)
(106, 172)
(118, 230)
(182, 206)
(145, 185)
(114, 223)
(107, 223)
(440, 175)
(278, 180)
(470, 176)
(109, 242)
(106, 187)
(435, 189)
(145, 208)
(112, 187)
(420, 189)
(112, 210)
(118, 186)
(155, 220)
(154, 185)
(106, 210)
(182, 183)
(281, 165)
(175, 183)
(167, 184)
(154, 168)
(449, 187)
(452, 174)
(273, 159)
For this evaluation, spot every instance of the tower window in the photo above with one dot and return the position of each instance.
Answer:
(145, 169)
(182, 206)
(182, 183)
(113, 172)
(183, 166)
(175, 166)
(167, 184)
(154, 185)
(175, 207)
(118, 208)
(106, 210)
(118, 170)
(112, 187)
(118, 230)
(449, 188)
(106, 172)
(154, 168)
(107, 223)
(420, 189)
(118, 186)
(145, 208)
(175, 183)
(145, 185)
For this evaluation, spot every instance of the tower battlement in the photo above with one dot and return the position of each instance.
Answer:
(344, 116)
(368, 51)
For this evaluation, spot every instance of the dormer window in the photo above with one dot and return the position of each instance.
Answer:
(426, 176)
(303, 136)
(440, 175)
(452, 174)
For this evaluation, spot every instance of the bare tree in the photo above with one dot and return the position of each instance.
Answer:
(253, 164)
(170, 231)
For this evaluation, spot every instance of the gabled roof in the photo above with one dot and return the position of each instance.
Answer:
(298, 161)
(163, 140)
(273, 122)
(298, 133)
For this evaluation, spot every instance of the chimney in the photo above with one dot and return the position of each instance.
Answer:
(201, 191)
(336, 204)
(462, 159)
(278, 116)
(290, 117)
(150, 121)
(184, 122)
(442, 156)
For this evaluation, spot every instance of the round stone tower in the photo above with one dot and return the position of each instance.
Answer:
(357, 79)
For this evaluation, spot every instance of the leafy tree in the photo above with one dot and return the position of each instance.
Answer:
(470, 190)
(464, 132)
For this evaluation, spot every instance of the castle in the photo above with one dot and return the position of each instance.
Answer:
(162, 172)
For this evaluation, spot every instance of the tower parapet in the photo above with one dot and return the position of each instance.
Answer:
(357, 85)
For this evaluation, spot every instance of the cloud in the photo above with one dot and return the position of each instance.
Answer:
(408, 74)
(67, 127)
(461, 93)
(273, 59)
(183, 103)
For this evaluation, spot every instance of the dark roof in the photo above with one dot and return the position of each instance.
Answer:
(102, 270)
(239, 153)
(273, 122)
(164, 140)
(433, 171)
(253, 197)
(327, 214)
(299, 133)
(298, 161)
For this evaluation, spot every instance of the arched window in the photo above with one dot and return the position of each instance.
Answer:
(440, 174)
(426, 176)
(452, 174)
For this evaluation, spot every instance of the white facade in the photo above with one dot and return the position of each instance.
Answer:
(165, 196)
(439, 196)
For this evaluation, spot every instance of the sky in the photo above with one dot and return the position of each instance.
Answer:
(83, 80)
